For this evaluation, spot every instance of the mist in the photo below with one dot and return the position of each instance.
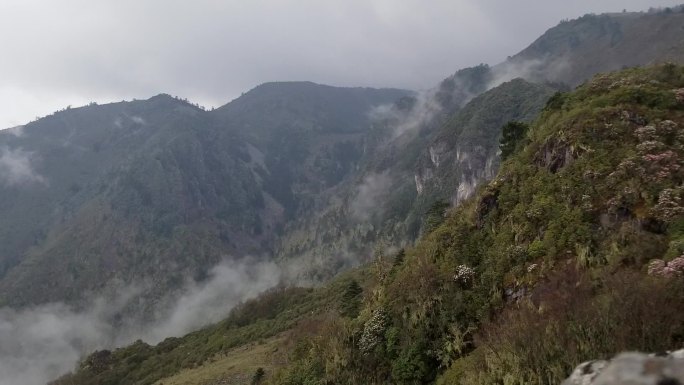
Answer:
(43, 342)
(423, 110)
(16, 167)
(369, 195)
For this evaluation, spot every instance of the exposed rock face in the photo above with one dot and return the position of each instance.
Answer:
(631, 369)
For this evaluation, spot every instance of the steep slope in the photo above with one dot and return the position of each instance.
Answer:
(572, 252)
(429, 150)
(157, 192)
(280, 316)
(53, 159)
(294, 159)
(309, 137)
(465, 150)
(575, 50)
(405, 176)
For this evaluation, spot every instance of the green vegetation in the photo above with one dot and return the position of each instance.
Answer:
(512, 134)
(351, 300)
(161, 191)
(545, 268)
(470, 129)
(274, 312)
(258, 376)
(591, 190)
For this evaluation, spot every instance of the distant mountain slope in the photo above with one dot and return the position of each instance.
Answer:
(308, 137)
(441, 145)
(388, 202)
(314, 107)
(575, 50)
(160, 191)
(572, 252)
(321, 178)
(464, 152)
(51, 166)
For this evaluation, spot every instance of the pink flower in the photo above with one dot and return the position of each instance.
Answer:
(660, 268)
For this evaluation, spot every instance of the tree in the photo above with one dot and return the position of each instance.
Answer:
(512, 134)
(435, 215)
(351, 300)
(258, 376)
(399, 258)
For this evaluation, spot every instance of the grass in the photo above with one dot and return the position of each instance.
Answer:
(236, 366)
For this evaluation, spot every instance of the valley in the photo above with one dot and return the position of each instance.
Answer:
(491, 229)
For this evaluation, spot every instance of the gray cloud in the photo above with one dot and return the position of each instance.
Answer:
(208, 302)
(425, 108)
(369, 195)
(39, 344)
(16, 167)
(138, 120)
(17, 131)
(210, 51)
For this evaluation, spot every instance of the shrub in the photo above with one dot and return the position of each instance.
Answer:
(571, 320)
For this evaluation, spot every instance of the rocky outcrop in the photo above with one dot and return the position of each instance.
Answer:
(556, 154)
(631, 369)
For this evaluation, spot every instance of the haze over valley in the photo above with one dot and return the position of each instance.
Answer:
(470, 164)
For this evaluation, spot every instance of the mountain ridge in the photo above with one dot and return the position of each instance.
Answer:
(587, 204)
(294, 156)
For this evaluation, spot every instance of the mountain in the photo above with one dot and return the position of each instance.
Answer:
(572, 252)
(160, 190)
(155, 198)
(575, 50)
(440, 145)
(310, 137)
(404, 177)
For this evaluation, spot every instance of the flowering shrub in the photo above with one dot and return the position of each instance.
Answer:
(679, 94)
(464, 275)
(660, 268)
(373, 331)
(669, 204)
(645, 133)
(661, 165)
(667, 127)
(677, 264)
(649, 146)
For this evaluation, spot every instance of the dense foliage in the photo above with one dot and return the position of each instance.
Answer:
(592, 192)
(275, 311)
(559, 240)
(571, 253)
(161, 191)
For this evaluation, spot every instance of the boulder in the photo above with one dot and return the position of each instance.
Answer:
(632, 369)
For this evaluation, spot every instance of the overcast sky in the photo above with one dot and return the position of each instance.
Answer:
(70, 52)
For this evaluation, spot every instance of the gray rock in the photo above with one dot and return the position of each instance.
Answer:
(631, 369)
(585, 373)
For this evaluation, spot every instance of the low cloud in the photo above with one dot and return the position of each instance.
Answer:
(507, 71)
(17, 131)
(369, 195)
(210, 301)
(138, 120)
(424, 109)
(535, 70)
(16, 167)
(41, 343)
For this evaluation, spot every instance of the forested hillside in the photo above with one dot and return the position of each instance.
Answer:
(479, 231)
(578, 232)
(159, 191)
